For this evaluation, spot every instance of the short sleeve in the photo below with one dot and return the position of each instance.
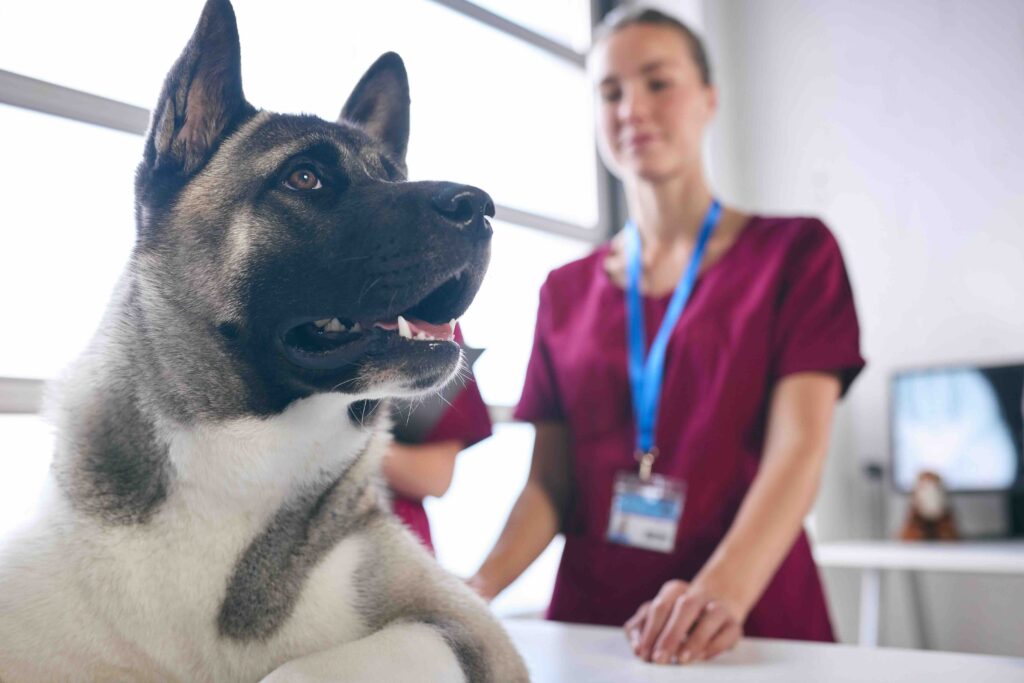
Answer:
(539, 401)
(816, 326)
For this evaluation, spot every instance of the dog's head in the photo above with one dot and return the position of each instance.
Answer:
(283, 255)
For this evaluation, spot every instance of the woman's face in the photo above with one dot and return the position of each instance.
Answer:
(652, 105)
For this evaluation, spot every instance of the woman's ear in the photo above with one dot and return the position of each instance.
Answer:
(712, 100)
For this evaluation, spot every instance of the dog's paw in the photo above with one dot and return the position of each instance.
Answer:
(399, 653)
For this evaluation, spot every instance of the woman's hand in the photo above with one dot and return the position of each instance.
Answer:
(684, 623)
(482, 587)
(699, 620)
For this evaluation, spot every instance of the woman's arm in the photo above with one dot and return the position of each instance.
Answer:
(421, 470)
(536, 516)
(701, 619)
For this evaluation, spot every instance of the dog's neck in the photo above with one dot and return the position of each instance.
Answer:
(122, 457)
(259, 461)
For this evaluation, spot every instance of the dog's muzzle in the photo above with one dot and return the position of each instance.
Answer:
(424, 311)
(465, 207)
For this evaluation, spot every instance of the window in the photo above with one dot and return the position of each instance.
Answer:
(68, 229)
(501, 319)
(24, 459)
(488, 479)
(564, 21)
(500, 101)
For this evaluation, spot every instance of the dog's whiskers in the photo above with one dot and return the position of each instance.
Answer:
(352, 258)
(344, 382)
(366, 290)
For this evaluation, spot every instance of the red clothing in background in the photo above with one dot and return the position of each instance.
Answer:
(776, 303)
(465, 420)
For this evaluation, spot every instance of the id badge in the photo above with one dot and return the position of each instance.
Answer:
(645, 514)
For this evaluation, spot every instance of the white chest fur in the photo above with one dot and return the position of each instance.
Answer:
(147, 597)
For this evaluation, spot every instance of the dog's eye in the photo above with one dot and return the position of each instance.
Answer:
(303, 179)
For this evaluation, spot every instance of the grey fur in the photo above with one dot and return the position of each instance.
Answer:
(272, 571)
(109, 460)
(211, 323)
(224, 255)
(122, 475)
(392, 568)
(466, 647)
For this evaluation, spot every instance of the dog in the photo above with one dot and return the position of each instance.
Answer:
(214, 511)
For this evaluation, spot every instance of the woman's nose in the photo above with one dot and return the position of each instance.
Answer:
(632, 106)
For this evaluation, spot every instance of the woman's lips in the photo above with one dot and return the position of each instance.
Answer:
(639, 141)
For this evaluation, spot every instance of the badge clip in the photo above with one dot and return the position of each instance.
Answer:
(646, 461)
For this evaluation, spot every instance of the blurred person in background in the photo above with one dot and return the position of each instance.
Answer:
(682, 385)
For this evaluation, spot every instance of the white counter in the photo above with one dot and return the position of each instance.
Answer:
(872, 558)
(564, 653)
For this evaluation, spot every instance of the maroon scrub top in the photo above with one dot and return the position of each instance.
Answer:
(465, 420)
(776, 303)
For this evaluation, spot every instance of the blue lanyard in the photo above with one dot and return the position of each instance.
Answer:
(645, 375)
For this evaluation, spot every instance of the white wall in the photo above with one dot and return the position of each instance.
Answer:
(899, 123)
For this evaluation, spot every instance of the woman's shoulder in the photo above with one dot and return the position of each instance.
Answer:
(786, 236)
(793, 247)
(789, 229)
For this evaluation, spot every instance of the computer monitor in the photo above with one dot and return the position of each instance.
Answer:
(963, 422)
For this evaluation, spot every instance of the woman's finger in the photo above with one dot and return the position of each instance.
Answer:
(638, 617)
(634, 626)
(712, 620)
(689, 608)
(725, 640)
(657, 615)
(671, 636)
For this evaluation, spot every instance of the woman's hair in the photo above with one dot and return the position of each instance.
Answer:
(623, 16)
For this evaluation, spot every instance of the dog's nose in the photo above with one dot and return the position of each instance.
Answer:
(465, 206)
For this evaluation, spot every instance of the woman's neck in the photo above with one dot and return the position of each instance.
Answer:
(671, 211)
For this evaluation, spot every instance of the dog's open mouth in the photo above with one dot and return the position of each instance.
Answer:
(328, 343)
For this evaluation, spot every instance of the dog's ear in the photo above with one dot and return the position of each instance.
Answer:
(202, 98)
(379, 104)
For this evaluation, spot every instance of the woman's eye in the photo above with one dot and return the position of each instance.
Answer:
(611, 95)
(658, 85)
(303, 179)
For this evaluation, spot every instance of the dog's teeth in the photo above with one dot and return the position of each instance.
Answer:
(322, 323)
(357, 328)
(451, 324)
(403, 328)
(421, 335)
(334, 325)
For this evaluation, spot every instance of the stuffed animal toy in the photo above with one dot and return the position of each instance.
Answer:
(931, 516)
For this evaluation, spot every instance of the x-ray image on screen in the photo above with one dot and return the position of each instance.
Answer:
(962, 423)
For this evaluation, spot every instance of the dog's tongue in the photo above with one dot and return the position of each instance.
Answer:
(438, 331)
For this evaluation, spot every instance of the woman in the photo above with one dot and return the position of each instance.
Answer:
(735, 437)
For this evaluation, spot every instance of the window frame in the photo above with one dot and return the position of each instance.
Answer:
(25, 395)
